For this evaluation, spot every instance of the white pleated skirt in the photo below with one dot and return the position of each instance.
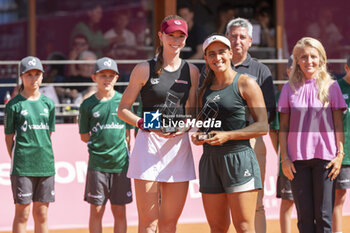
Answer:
(160, 159)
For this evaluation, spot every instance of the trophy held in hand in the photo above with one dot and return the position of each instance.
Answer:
(168, 111)
(209, 112)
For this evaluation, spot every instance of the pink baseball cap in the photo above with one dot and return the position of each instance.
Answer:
(173, 25)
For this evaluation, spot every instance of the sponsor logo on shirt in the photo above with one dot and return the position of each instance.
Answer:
(343, 181)
(98, 126)
(154, 81)
(24, 112)
(181, 81)
(42, 126)
(24, 126)
(46, 112)
(96, 114)
(217, 97)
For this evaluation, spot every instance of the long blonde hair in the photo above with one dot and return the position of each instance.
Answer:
(160, 60)
(323, 79)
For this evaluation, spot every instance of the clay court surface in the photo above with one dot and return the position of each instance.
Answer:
(272, 227)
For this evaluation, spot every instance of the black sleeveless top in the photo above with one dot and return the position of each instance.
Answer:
(168, 88)
(232, 109)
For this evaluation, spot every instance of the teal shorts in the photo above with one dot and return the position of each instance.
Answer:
(228, 169)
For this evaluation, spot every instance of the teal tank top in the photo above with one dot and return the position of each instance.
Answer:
(232, 111)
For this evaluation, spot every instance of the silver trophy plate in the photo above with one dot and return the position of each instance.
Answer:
(209, 111)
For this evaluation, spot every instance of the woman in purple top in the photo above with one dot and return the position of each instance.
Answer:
(311, 135)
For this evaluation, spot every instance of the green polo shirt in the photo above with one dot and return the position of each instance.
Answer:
(107, 146)
(345, 89)
(31, 122)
